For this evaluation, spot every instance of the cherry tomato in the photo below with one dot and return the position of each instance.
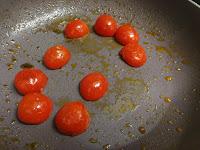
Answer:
(126, 34)
(134, 55)
(34, 108)
(105, 25)
(56, 57)
(30, 80)
(76, 29)
(72, 119)
(93, 86)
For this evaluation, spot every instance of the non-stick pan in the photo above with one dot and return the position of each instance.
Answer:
(153, 107)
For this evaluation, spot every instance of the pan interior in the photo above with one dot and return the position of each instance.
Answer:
(150, 107)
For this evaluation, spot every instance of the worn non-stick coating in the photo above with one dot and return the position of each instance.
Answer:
(136, 113)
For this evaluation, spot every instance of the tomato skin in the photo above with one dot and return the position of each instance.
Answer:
(105, 25)
(72, 119)
(76, 29)
(56, 57)
(30, 80)
(93, 86)
(34, 108)
(134, 55)
(126, 34)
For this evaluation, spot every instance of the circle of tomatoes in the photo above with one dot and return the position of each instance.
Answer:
(126, 34)
(93, 86)
(76, 29)
(72, 119)
(34, 108)
(105, 25)
(134, 55)
(56, 57)
(30, 80)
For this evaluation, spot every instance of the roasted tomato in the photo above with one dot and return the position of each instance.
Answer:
(134, 55)
(105, 25)
(93, 86)
(30, 80)
(34, 108)
(56, 57)
(126, 34)
(76, 29)
(72, 119)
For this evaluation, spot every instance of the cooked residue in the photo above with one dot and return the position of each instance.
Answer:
(26, 65)
(93, 140)
(32, 146)
(106, 147)
(73, 66)
(179, 129)
(118, 109)
(168, 78)
(58, 25)
(8, 139)
(10, 66)
(145, 43)
(165, 50)
(156, 35)
(1, 119)
(60, 102)
(166, 99)
(128, 125)
(142, 130)
(130, 134)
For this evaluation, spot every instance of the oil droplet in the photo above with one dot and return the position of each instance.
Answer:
(167, 99)
(179, 129)
(130, 135)
(17, 45)
(26, 65)
(168, 78)
(142, 130)
(194, 90)
(32, 146)
(13, 122)
(93, 140)
(73, 66)
(128, 125)
(106, 147)
(170, 122)
(8, 110)
(7, 101)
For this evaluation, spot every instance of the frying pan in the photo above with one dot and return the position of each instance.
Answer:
(152, 107)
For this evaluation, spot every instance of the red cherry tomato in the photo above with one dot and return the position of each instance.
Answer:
(56, 57)
(76, 29)
(30, 80)
(34, 108)
(72, 119)
(93, 86)
(126, 34)
(134, 55)
(105, 25)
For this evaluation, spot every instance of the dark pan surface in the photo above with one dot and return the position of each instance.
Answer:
(169, 31)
